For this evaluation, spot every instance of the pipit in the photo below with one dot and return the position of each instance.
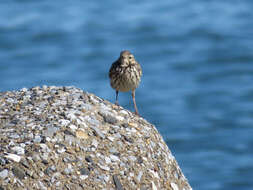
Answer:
(125, 75)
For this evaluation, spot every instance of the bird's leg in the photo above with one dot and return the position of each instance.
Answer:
(117, 93)
(135, 107)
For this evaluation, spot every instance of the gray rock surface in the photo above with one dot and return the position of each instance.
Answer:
(64, 138)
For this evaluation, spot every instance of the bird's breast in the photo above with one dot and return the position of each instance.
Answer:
(126, 79)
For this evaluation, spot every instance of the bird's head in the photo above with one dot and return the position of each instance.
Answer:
(126, 59)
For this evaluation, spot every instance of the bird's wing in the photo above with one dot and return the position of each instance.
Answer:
(139, 68)
(113, 69)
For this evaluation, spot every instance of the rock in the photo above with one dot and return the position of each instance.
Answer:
(49, 170)
(4, 174)
(174, 186)
(73, 127)
(18, 150)
(67, 171)
(41, 186)
(139, 176)
(114, 151)
(108, 118)
(114, 158)
(88, 159)
(13, 157)
(95, 143)
(24, 163)
(81, 134)
(98, 132)
(2, 161)
(61, 150)
(153, 186)
(117, 183)
(106, 168)
(84, 171)
(18, 172)
(37, 139)
(44, 161)
(50, 131)
(83, 177)
(64, 138)
(36, 158)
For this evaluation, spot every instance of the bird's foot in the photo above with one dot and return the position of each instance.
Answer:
(116, 106)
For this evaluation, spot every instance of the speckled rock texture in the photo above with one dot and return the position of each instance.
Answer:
(64, 138)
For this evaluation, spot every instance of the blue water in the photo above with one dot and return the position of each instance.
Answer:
(197, 60)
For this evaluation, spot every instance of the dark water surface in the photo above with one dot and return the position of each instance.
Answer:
(197, 60)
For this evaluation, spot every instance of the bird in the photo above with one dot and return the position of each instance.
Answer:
(125, 75)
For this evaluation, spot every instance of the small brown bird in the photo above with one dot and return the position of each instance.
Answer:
(125, 75)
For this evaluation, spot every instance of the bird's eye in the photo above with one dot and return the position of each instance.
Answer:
(130, 57)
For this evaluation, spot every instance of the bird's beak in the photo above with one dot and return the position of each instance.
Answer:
(124, 63)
